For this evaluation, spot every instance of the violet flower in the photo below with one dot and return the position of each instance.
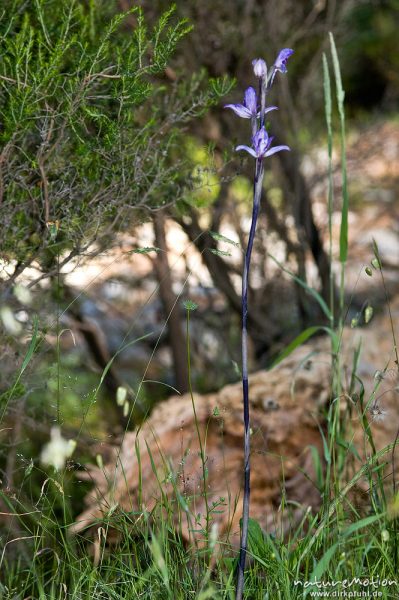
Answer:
(249, 108)
(281, 60)
(261, 145)
(280, 64)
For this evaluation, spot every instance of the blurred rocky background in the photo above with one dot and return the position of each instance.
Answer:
(111, 308)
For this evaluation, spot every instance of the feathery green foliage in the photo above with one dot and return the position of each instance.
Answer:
(89, 130)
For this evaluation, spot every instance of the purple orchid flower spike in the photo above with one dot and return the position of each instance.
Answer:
(261, 148)
(281, 60)
(261, 145)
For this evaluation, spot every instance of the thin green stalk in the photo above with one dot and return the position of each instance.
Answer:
(343, 237)
(58, 343)
(328, 115)
(334, 420)
(189, 307)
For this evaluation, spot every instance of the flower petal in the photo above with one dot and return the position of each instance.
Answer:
(250, 100)
(281, 60)
(276, 149)
(247, 149)
(270, 108)
(261, 142)
(240, 110)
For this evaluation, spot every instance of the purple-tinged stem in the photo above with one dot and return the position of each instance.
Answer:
(258, 180)
(262, 94)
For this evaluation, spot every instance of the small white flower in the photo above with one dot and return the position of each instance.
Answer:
(11, 325)
(57, 450)
(121, 394)
(385, 535)
(377, 413)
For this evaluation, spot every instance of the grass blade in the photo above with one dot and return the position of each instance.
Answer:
(343, 237)
(303, 337)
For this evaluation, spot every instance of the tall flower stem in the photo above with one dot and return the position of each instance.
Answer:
(258, 180)
(253, 108)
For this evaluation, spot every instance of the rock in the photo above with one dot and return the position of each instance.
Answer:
(288, 409)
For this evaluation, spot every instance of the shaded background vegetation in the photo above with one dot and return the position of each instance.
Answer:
(104, 129)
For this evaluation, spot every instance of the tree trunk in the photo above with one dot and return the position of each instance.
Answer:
(177, 339)
(262, 330)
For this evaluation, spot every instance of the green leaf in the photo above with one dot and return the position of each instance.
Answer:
(349, 447)
(221, 86)
(256, 538)
(220, 252)
(337, 73)
(343, 237)
(362, 523)
(221, 238)
(328, 115)
(145, 250)
(303, 337)
(32, 346)
(327, 94)
(327, 453)
(321, 568)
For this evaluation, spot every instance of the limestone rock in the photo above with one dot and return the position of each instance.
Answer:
(288, 408)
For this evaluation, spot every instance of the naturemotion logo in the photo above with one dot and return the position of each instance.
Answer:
(346, 588)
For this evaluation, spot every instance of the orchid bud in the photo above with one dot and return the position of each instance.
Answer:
(260, 67)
